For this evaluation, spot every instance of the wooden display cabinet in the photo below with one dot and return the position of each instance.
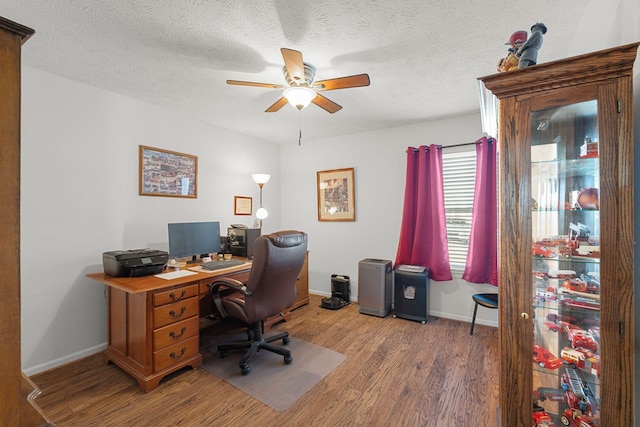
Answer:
(566, 240)
(17, 393)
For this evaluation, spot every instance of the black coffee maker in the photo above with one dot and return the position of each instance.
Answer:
(340, 293)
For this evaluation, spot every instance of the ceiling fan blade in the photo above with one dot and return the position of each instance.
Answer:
(255, 84)
(326, 104)
(342, 82)
(277, 105)
(293, 63)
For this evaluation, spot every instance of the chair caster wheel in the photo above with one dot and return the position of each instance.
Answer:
(286, 340)
(245, 370)
(288, 360)
(224, 354)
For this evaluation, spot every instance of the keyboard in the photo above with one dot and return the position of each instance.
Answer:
(175, 274)
(217, 265)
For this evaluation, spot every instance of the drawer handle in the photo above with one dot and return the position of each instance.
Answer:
(182, 310)
(173, 355)
(173, 296)
(172, 334)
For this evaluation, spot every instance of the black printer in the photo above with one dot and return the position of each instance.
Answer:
(134, 262)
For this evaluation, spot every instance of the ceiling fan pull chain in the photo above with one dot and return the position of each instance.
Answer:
(300, 127)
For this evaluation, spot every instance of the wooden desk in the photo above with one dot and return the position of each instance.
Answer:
(153, 323)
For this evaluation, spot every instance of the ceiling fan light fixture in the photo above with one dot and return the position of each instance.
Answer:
(299, 96)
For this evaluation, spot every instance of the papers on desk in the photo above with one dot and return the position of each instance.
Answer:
(199, 268)
(175, 274)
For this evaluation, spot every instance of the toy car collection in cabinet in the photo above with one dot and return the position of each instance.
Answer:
(566, 241)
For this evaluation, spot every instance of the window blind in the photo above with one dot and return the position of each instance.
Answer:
(459, 174)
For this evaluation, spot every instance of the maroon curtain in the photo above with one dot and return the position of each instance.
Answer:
(482, 258)
(423, 233)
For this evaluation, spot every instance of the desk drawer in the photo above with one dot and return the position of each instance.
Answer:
(175, 312)
(241, 276)
(175, 295)
(175, 333)
(175, 354)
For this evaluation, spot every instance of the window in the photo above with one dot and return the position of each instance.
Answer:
(459, 175)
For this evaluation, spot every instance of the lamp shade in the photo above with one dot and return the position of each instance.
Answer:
(261, 213)
(260, 178)
(299, 96)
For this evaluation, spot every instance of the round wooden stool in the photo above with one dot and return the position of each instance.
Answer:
(485, 300)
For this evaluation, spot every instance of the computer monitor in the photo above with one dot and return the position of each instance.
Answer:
(193, 239)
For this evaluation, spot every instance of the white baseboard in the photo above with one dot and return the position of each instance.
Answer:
(462, 318)
(434, 313)
(321, 293)
(64, 360)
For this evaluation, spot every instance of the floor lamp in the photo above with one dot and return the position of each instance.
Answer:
(261, 179)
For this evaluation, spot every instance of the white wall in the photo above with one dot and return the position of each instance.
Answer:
(379, 160)
(80, 198)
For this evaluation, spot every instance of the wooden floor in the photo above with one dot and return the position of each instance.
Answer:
(397, 373)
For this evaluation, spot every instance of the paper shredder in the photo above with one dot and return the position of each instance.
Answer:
(411, 293)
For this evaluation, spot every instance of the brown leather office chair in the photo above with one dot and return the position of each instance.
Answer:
(271, 289)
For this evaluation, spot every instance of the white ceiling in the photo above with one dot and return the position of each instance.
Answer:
(423, 56)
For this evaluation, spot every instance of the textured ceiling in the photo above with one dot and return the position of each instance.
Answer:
(423, 56)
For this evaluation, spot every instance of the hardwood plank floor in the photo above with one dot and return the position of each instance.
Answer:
(397, 373)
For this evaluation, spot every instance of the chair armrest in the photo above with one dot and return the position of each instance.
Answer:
(226, 282)
(220, 286)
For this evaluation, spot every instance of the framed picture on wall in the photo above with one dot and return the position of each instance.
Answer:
(167, 173)
(242, 205)
(336, 195)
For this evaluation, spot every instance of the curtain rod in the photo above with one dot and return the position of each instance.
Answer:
(490, 140)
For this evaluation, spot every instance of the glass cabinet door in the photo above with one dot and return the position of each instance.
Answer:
(565, 250)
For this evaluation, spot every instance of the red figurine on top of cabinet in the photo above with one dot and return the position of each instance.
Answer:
(510, 62)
